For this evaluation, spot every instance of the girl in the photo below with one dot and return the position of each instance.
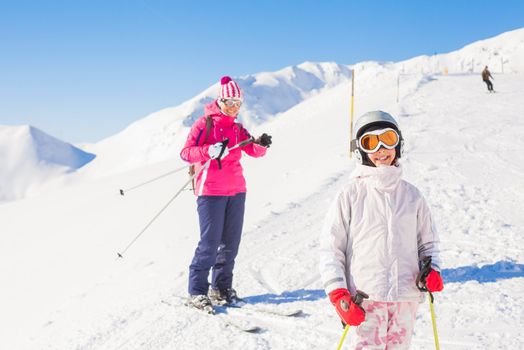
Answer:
(375, 235)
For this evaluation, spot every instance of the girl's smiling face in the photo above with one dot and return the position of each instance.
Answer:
(382, 157)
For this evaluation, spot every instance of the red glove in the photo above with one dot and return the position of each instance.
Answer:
(349, 312)
(434, 281)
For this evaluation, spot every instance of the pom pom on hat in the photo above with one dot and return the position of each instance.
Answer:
(225, 80)
(229, 89)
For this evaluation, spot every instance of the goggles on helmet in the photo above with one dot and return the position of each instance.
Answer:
(371, 141)
(231, 102)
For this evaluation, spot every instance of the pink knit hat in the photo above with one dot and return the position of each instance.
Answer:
(229, 89)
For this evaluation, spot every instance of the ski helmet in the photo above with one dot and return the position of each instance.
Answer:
(371, 121)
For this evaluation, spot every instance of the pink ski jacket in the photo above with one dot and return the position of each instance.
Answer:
(213, 181)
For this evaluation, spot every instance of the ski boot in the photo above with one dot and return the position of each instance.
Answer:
(201, 302)
(224, 297)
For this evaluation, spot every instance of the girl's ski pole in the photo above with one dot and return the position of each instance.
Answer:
(433, 321)
(421, 285)
(343, 337)
(357, 299)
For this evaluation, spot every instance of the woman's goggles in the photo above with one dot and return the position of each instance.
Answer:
(232, 102)
(371, 141)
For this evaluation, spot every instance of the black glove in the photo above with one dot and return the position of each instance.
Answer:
(264, 140)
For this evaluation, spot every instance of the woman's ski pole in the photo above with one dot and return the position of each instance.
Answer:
(152, 180)
(205, 166)
(121, 254)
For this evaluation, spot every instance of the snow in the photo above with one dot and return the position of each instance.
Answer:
(63, 288)
(29, 158)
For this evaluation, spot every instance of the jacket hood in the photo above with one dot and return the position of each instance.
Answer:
(384, 178)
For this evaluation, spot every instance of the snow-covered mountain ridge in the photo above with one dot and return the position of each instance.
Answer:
(269, 94)
(29, 158)
(160, 135)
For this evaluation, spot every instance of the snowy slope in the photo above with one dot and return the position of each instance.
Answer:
(63, 289)
(87, 300)
(502, 54)
(30, 157)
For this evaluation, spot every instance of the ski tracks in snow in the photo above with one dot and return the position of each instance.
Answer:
(292, 238)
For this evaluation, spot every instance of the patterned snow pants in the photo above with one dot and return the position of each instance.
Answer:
(388, 325)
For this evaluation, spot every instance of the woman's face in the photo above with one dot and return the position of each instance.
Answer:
(230, 107)
(382, 157)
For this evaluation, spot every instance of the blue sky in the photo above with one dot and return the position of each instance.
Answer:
(82, 70)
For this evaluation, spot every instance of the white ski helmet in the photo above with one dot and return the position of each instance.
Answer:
(370, 121)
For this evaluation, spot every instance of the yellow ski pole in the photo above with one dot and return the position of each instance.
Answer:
(433, 321)
(421, 285)
(357, 299)
(346, 329)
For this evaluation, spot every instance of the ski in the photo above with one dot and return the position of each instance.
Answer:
(220, 314)
(243, 326)
(267, 309)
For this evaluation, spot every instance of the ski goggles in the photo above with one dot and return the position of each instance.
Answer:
(371, 141)
(231, 102)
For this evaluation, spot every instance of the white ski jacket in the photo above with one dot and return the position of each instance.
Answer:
(375, 234)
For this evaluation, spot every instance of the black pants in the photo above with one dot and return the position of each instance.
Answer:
(489, 84)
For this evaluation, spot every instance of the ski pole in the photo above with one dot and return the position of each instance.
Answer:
(357, 299)
(346, 329)
(152, 180)
(121, 254)
(433, 321)
(421, 285)
(205, 166)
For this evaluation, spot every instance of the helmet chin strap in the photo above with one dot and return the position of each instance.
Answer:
(357, 155)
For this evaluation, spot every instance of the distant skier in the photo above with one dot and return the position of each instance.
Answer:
(376, 233)
(485, 77)
(221, 191)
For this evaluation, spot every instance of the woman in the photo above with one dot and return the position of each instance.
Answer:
(221, 189)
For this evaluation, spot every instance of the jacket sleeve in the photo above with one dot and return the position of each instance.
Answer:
(333, 244)
(192, 152)
(427, 237)
(252, 149)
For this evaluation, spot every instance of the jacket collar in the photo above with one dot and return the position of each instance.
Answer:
(384, 179)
